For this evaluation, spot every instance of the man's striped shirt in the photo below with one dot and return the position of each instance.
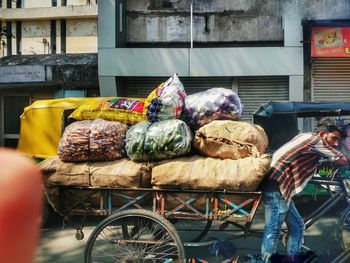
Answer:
(295, 162)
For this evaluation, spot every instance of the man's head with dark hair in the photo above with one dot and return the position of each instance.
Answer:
(332, 128)
(331, 134)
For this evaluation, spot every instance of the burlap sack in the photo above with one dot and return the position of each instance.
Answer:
(55, 173)
(231, 139)
(122, 173)
(198, 172)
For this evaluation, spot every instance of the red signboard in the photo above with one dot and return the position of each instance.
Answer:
(330, 42)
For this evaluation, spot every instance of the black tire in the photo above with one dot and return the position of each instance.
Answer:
(134, 235)
(201, 228)
(344, 230)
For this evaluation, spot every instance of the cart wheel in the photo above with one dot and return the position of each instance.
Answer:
(201, 228)
(344, 230)
(133, 236)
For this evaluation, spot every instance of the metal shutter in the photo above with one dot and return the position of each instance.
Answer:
(255, 91)
(331, 79)
(330, 82)
(141, 86)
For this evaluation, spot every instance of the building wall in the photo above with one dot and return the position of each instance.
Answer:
(34, 3)
(237, 38)
(35, 37)
(48, 3)
(224, 20)
(82, 36)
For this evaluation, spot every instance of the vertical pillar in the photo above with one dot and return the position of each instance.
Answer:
(296, 93)
(111, 35)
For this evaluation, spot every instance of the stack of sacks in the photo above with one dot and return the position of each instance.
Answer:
(157, 141)
(239, 162)
(91, 153)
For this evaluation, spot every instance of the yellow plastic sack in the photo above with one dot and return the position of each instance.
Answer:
(126, 110)
(41, 126)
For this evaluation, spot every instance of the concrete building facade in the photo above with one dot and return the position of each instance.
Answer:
(49, 50)
(256, 47)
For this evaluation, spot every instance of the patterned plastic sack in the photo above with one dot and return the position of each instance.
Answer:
(96, 140)
(156, 141)
(166, 101)
(126, 110)
(213, 104)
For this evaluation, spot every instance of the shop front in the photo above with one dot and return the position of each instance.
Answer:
(330, 61)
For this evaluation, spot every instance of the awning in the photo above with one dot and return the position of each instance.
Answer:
(68, 71)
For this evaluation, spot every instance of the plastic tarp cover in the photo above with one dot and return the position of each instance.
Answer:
(41, 126)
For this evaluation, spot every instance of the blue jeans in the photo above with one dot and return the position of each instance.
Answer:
(277, 210)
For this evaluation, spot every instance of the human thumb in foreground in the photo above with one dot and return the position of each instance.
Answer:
(20, 207)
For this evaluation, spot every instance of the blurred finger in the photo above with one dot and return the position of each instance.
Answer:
(20, 207)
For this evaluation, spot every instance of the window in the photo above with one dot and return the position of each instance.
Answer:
(9, 3)
(63, 2)
(160, 4)
(18, 3)
(18, 37)
(54, 2)
(13, 107)
(53, 37)
(63, 36)
(9, 38)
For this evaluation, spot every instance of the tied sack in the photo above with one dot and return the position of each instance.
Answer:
(166, 101)
(231, 139)
(122, 173)
(207, 173)
(167, 139)
(96, 140)
(212, 104)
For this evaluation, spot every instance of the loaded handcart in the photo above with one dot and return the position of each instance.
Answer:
(153, 225)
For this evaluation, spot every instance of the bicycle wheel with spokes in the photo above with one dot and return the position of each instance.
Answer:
(344, 230)
(134, 236)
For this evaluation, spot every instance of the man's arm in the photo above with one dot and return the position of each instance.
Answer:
(342, 160)
(330, 152)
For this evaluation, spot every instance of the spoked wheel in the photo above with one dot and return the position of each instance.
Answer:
(198, 228)
(134, 236)
(344, 230)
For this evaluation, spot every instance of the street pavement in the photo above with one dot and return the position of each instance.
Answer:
(60, 245)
